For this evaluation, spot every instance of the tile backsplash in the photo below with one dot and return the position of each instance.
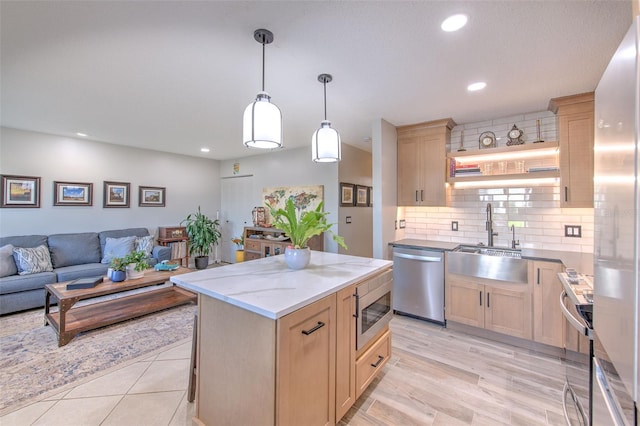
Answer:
(534, 211)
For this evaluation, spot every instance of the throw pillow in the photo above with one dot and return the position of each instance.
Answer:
(7, 264)
(32, 260)
(118, 247)
(145, 244)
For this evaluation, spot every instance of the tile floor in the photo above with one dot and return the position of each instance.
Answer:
(151, 391)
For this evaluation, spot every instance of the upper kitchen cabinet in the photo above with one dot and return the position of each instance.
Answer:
(422, 170)
(575, 134)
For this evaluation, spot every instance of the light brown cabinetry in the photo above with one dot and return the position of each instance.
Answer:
(372, 361)
(422, 169)
(489, 304)
(548, 320)
(305, 385)
(345, 351)
(575, 121)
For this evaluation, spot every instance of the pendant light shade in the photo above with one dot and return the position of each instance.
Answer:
(262, 121)
(325, 142)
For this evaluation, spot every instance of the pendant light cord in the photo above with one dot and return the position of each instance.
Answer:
(263, 63)
(324, 83)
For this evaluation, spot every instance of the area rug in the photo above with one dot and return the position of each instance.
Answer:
(32, 364)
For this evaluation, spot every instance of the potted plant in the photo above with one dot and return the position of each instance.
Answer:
(239, 242)
(203, 233)
(136, 264)
(300, 227)
(118, 267)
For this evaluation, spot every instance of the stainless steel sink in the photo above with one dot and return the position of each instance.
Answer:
(493, 263)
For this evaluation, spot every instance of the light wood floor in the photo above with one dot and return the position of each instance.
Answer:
(437, 376)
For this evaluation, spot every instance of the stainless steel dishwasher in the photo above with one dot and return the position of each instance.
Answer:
(418, 283)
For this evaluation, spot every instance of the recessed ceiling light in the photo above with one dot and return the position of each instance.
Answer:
(84, 135)
(205, 149)
(476, 86)
(454, 23)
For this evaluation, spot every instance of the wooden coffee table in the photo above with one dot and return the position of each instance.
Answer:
(69, 321)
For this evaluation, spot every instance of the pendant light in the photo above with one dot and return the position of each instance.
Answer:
(325, 142)
(262, 122)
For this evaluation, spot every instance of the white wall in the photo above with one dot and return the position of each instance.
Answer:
(355, 168)
(189, 182)
(289, 168)
(385, 186)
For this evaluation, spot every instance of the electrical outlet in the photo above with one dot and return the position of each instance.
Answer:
(573, 231)
(454, 225)
(403, 224)
(348, 220)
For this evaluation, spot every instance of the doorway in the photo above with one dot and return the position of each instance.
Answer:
(236, 202)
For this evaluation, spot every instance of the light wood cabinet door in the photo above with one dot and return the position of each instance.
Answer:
(306, 372)
(508, 310)
(464, 301)
(422, 163)
(345, 351)
(575, 120)
(548, 320)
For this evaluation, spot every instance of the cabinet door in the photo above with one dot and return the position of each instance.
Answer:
(464, 301)
(548, 321)
(508, 310)
(409, 171)
(576, 158)
(306, 372)
(345, 351)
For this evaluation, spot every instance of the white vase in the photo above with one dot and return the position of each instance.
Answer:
(132, 274)
(297, 258)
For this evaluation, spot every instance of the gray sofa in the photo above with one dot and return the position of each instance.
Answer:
(72, 256)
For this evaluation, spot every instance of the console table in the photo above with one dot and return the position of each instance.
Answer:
(68, 321)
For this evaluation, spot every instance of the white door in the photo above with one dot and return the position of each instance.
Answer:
(237, 203)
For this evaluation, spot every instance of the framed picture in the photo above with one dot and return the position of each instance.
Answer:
(346, 195)
(370, 198)
(20, 191)
(362, 193)
(151, 196)
(72, 194)
(116, 194)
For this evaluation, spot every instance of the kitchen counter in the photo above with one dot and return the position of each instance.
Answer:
(581, 262)
(269, 288)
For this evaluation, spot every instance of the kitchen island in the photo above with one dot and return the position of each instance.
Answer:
(276, 345)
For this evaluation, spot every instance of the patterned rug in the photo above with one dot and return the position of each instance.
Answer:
(32, 364)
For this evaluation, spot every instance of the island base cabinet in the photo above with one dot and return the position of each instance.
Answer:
(371, 362)
(305, 388)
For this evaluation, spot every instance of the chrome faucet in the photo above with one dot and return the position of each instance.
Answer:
(514, 243)
(489, 226)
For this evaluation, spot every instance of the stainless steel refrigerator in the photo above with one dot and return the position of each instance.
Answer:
(616, 312)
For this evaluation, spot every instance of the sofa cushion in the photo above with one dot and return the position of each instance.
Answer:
(74, 249)
(145, 244)
(119, 233)
(32, 260)
(18, 283)
(7, 264)
(118, 247)
(69, 273)
(24, 240)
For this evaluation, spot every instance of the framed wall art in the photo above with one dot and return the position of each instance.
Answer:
(116, 194)
(346, 195)
(305, 198)
(20, 191)
(362, 196)
(72, 194)
(151, 196)
(370, 197)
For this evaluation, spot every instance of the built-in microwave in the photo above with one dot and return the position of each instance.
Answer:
(374, 307)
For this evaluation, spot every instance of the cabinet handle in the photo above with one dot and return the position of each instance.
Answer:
(538, 276)
(480, 293)
(357, 305)
(488, 300)
(416, 195)
(422, 195)
(566, 193)
(317, 327)
(380, 358)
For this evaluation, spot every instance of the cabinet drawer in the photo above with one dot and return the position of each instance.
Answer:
(252, 245)
(368, 365)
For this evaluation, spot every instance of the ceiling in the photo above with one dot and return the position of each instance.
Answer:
(176, 76)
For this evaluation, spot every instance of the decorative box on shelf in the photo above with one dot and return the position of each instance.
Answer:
(169, 232)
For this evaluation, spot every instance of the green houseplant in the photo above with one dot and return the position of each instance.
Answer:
(118, 267)
(203, 233)
(136, 264)
(300, 227)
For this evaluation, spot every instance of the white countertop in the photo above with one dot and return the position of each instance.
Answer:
(269, 288)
